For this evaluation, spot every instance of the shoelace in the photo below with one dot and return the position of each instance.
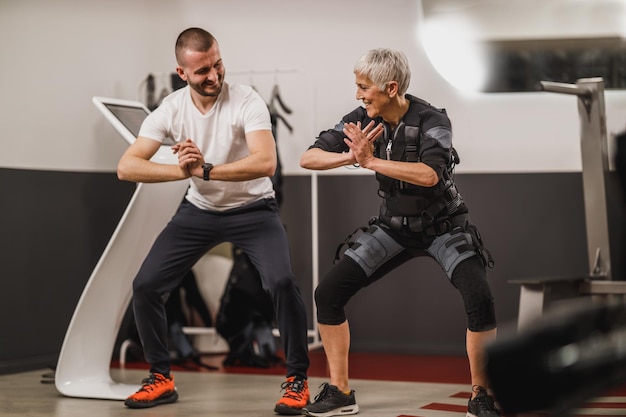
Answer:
(293, 389)
(487, 405)
(325, 393)
(148, 384)
(484, 400)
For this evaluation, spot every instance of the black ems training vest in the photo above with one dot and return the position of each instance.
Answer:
(408, 204)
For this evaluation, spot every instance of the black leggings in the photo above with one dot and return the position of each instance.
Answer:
(346, 278)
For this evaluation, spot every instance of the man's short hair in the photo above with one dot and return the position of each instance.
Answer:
(194, 39)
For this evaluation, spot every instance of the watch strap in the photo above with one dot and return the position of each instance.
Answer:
(206, 171)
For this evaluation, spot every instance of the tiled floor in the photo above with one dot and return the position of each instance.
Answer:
(396, 387)
(220, 394)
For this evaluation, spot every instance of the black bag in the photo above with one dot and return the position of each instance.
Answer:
(246, 316)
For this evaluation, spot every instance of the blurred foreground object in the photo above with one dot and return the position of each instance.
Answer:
(572, 354)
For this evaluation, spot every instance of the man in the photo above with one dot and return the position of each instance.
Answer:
(408, 144)
(226, 148)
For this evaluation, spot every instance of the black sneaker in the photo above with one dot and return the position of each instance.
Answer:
(482, 405)
(332, 402)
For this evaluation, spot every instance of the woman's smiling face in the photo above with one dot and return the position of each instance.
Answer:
(374, 99)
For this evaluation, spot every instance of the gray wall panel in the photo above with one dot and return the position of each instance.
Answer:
(55, 226)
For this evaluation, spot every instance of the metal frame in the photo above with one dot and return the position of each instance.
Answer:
(595, 166)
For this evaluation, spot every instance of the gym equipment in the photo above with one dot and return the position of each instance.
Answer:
(577, 349)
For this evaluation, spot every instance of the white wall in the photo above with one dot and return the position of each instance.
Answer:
(56, 55)
(522, 132)
(532, 19)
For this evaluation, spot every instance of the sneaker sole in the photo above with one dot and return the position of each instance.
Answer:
(287, 411)
(164, 399)
(341, 411)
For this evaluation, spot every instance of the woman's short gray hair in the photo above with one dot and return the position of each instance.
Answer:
(383, 65)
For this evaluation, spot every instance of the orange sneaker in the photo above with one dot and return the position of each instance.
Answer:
(296, 396)
(156, 389)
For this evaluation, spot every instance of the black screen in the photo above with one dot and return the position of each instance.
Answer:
(131, 117)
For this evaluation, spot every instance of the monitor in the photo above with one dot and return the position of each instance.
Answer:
(126, 116)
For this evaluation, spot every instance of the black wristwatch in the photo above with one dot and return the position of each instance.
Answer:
(206, 167)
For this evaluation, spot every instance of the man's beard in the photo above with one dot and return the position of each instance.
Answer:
(199, 88)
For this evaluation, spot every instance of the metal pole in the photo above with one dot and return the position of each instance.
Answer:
(595, 166)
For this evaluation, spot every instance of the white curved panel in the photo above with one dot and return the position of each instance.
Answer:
(83, 368)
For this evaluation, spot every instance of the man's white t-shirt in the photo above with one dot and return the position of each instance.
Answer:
(220, 136)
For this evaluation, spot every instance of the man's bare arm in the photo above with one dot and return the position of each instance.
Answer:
(135, 164)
